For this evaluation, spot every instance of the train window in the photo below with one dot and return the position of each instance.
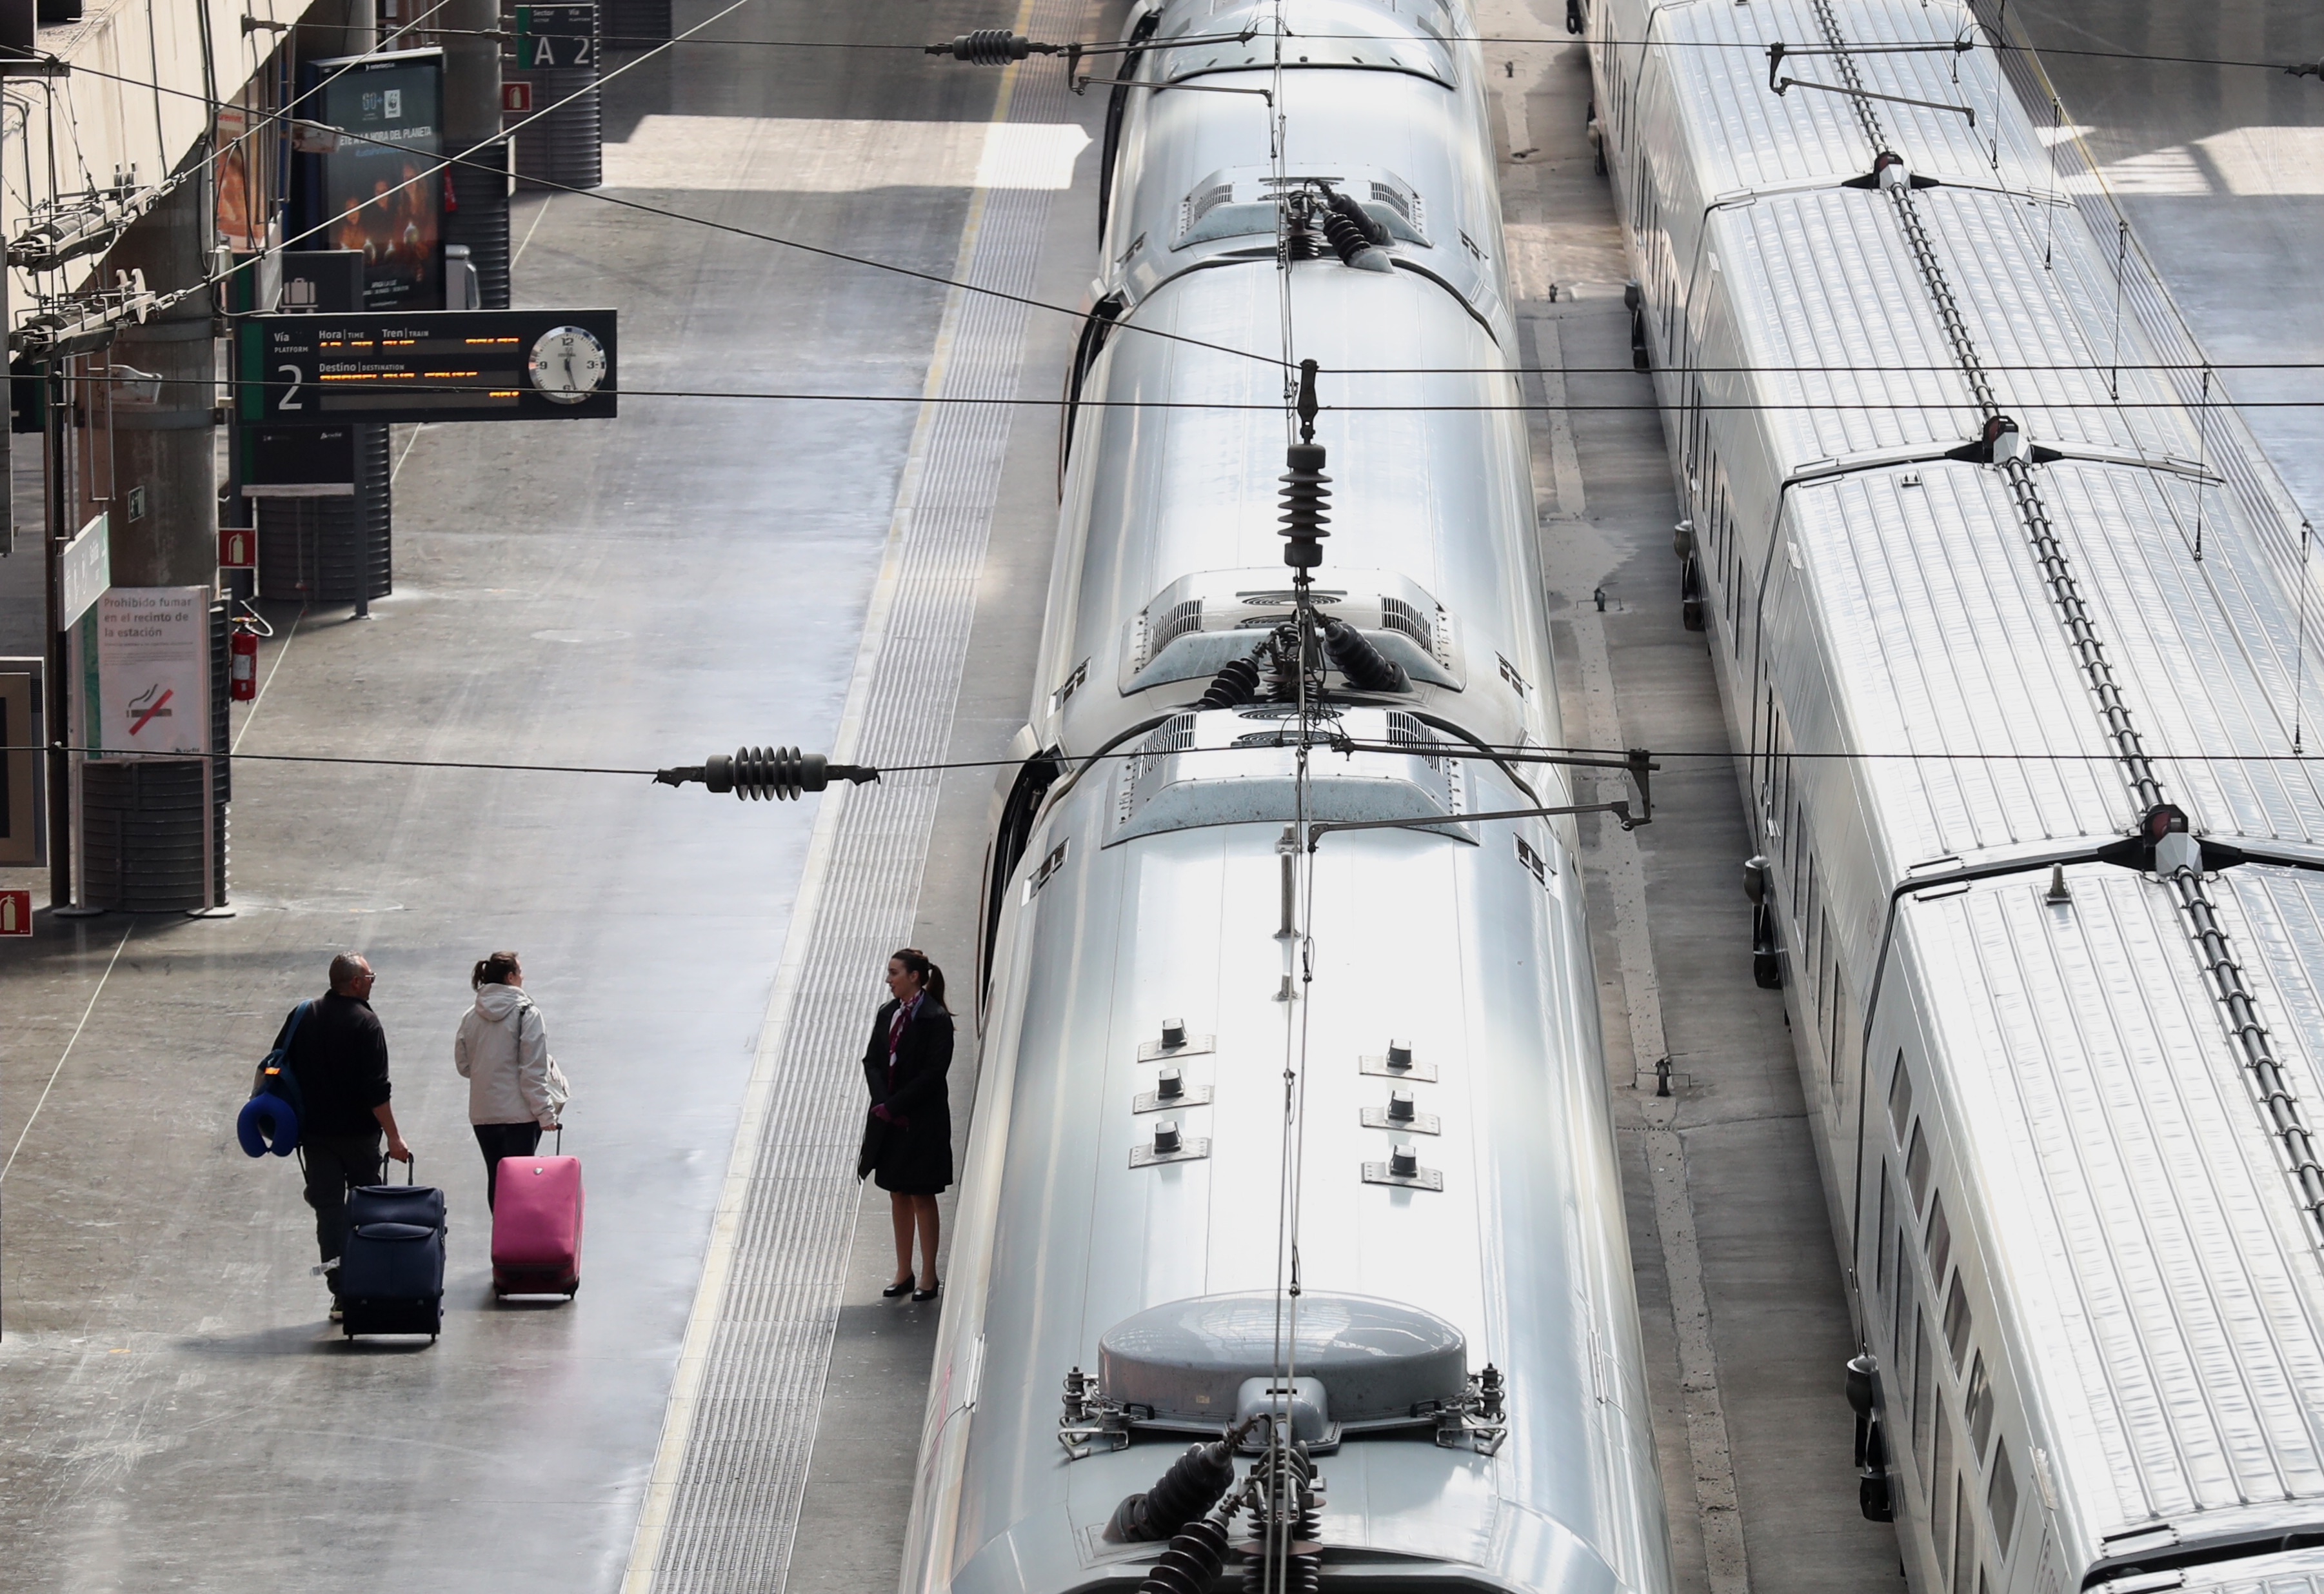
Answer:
(1843, 1019)
(1823, 954)
(1802, 890)
(1965, 1538)
(1941, 1237)
(1947, 1491)
(1979, 1404)
(1957, 1322)
(1886, 1293)
(1900, 1098)
(1916, 1169)
(1905, 1296)
(1924, 1410)
(2001, 1500)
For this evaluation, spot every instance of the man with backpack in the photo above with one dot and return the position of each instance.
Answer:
(338, 1053)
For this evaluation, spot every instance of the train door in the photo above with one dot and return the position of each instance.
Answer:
(1116, 108)
(1095, 329)
(1010, 837)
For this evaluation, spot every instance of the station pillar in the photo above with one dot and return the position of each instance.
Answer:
(152, 831)
(159, 408)
(479, 217)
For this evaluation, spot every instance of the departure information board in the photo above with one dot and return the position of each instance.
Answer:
(323, 369)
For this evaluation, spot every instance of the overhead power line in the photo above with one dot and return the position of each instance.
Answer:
(1323, 746)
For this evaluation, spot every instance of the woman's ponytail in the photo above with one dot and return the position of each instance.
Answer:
(494, 970)
(932, 981)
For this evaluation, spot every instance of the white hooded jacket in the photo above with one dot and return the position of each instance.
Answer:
(502, 1052)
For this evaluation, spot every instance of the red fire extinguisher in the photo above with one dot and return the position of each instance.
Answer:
(242, 659)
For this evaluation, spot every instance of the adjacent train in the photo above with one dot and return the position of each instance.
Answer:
(2010, 629)
(1290, 1250)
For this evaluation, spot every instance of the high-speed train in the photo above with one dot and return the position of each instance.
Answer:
(2009, 630)
(1291, 1147)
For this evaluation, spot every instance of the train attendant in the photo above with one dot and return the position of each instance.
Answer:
(515, 1089)
(908, 1137)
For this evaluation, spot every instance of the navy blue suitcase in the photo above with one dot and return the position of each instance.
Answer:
(391, 1273)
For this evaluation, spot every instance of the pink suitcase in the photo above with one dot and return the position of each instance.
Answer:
(536, 1227)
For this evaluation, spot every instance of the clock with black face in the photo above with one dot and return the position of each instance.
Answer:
(568, 363)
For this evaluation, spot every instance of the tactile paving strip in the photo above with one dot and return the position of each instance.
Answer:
(733, 1514)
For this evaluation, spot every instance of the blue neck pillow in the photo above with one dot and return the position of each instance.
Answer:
(267, 1123)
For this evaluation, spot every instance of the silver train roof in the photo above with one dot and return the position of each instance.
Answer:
(2162, 1294)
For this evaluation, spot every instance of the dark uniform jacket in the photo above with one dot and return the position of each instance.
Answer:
(912, 1155)
(339, 1058)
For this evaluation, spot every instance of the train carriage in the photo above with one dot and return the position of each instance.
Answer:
(1309, 1142)
(2009, 660)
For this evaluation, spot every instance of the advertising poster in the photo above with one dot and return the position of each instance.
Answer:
(240, 185)
(143, 654)
(380, 190)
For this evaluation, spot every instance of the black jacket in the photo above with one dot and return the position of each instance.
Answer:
(339, 1058)
(913, 1157)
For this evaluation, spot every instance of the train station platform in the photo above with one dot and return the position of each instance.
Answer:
(623, 594)
(729, 1404)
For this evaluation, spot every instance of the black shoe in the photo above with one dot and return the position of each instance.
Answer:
(901, 1287)
(930, 1292)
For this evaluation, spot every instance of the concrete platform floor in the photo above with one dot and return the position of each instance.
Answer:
(628, 593)
(695, 574)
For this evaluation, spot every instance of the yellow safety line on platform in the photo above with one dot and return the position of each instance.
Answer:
(718, 1262)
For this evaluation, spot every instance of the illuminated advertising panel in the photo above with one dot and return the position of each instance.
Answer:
(374, 181)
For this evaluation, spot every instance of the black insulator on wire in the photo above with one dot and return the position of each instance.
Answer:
(755, 774)
(1365, 667)
(1233, 686)
(1306, 500)
(1190, 1487)
(991, 47)
(1348, 241)
(1192, 1563)
(1306, 243)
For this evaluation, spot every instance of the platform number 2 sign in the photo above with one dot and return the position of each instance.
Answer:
(556, 36)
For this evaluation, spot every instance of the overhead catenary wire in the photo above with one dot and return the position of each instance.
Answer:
(1550, 41)
(1512, 753)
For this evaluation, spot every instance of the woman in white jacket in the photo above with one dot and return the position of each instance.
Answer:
(515, 1089)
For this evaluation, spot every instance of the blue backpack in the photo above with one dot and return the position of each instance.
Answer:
(268, 1121)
